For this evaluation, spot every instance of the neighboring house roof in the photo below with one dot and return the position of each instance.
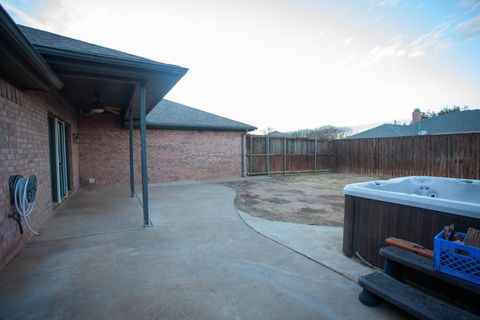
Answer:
(277, 134)
(171, 115)
(455, 122)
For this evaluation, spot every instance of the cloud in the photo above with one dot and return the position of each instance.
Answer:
(434, 40)
(385, 3)
(22, 17)
(469, 28)
(348, 41)
(388, 53)
(470, 4)
(398, 49)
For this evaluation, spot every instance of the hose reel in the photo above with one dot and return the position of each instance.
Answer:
(22, 195)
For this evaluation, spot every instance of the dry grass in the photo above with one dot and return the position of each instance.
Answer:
(315, 199)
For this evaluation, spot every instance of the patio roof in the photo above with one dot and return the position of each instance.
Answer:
(83, 72)
(88, 70)
(21, 64)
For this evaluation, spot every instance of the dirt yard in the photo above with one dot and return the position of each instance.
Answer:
(307, 199)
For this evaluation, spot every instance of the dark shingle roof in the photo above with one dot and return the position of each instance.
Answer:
(43, 39)
(384, 131)
(464, 121)
(455, 122)
(171, 115)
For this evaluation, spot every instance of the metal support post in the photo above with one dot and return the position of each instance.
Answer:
(315, 156)
(284, 155)
(130, 144)
(243, 153)
(267, 147)
(143, 146)
(251, 155)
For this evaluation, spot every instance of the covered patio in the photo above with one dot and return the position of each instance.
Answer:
(198, 261)
(96, 79)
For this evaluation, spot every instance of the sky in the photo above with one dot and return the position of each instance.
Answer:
(290, 64)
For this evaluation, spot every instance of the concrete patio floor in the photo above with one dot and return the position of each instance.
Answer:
(94, 260)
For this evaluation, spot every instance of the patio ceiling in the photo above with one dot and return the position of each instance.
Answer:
(88, 70)
(114, 80)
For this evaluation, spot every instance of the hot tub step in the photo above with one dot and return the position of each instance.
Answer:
(413, 301)
(425, 266)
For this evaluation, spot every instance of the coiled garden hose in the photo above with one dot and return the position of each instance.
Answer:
(24, 193)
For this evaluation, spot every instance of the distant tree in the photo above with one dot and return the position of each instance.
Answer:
(443, 111)
(323, 132)
(267, 130)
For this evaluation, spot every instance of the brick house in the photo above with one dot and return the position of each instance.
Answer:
(183, 143)
(55, 94)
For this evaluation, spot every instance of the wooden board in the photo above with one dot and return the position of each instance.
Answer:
(409, 246)
(473, 237)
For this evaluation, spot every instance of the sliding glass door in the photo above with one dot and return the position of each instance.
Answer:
(58, 131)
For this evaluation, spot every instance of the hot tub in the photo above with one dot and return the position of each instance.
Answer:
(411, 208)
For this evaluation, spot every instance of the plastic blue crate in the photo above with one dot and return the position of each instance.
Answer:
(457, 259)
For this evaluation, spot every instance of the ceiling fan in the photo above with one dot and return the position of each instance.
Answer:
(99, 107)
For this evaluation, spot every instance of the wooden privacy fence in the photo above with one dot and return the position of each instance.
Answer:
(452, 155)
(449, 155)
(279, 155)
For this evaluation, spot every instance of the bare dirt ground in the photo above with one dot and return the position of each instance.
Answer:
(315, 199)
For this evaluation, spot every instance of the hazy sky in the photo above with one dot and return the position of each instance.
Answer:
(290, 64)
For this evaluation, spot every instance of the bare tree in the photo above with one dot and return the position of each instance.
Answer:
(323, 132)
(267, 130)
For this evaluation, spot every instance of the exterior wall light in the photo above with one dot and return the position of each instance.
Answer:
(76, 138)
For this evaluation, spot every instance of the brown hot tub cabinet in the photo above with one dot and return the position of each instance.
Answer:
(369, 222)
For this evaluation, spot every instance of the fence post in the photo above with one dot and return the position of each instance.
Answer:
(267, 147)
(284, 155)
(315, 156)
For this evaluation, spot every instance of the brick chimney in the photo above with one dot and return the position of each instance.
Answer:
(416, 115)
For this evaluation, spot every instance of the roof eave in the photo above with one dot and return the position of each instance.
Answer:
(151, 125)
(17, 39)
(129, 63)
(200, 127)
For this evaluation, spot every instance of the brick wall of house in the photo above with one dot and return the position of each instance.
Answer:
(193, 154)
(24, 149)
(103, 149)
(172, 154)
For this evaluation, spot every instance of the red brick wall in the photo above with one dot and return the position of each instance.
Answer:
(172, 154)
(24, 150)
(193, 154)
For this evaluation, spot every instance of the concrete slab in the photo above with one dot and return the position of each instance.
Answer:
(199, 261)
(320, 243)
(93, 211)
